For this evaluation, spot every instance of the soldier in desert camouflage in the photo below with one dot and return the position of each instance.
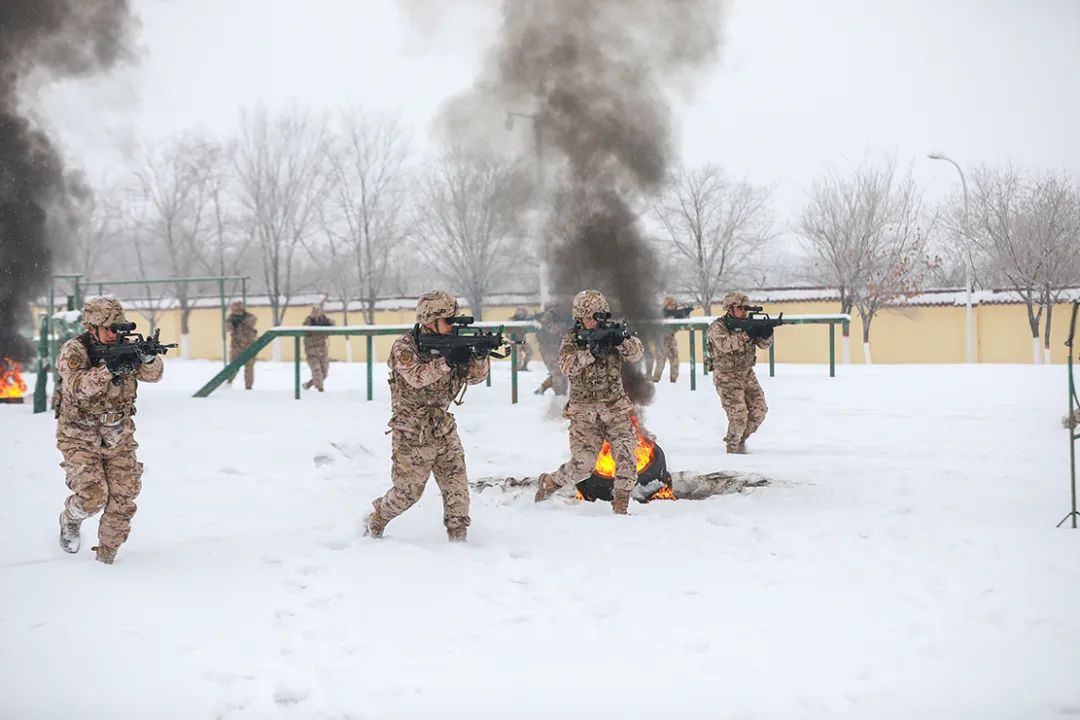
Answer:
(315, 348)
(425, 437)
(599, 408)
(241, 325)
(667, 350)
(95, 432)
(733, 354)
(553, 324)
(524, 349)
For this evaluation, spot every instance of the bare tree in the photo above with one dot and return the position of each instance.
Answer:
(716, 227)
(281, 179)
(1027, 226)
(367, 166)
(866, 236)
(99, 229)
(173, 181)
(469, 220)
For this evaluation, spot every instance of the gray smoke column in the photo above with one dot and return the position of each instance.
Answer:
(56, 38)
(595, 73)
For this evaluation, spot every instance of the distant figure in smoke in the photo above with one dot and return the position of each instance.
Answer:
(241, 325)
(524, 349)
(425, 439)
(554, 322)
(668, 347)
(315, 348)
(733, 354)
(599, 408)
(95, 431)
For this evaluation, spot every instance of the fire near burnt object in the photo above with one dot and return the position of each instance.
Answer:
(654, 481)
(12, 385)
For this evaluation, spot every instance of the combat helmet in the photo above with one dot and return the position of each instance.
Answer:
(735, 299)
(434, 305)
(589, 302)
(102, 311)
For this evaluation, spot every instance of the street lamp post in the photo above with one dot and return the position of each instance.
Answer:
(969, 315)
(542, 246)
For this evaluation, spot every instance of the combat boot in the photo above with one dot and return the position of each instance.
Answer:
(105, 554)
(546, 489)
(69, 533)
(620, 502)
(374, 525)
(307, 385)
(457, 534)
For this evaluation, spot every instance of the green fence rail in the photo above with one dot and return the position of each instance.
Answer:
(521, 327)
(1074, 404)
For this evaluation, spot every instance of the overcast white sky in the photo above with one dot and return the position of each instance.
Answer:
(802, 85)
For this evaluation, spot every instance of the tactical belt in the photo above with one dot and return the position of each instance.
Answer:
(109, 418)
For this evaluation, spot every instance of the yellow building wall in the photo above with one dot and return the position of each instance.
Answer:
(920, 334)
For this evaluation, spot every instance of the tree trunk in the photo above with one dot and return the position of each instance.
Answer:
(1046, 331)
(867, 358)
(1033, 326)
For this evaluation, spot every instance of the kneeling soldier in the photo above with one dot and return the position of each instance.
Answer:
(425, 437)
(95, 431)
(599, 408)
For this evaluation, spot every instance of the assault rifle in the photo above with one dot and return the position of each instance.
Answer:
(605, 338)
(463, 343)
(757, 323)
(126, 353)
(681, 312)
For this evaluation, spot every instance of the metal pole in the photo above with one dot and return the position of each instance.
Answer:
(513, 374)
(296, 365)
(224, 338)
(243, 291)
(832, 349)
(370, 366)
(969, 315)
(693, 362)
(772, 357)
(704, 350)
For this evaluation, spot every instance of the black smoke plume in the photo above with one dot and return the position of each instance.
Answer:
(595, 73)
(38, 39)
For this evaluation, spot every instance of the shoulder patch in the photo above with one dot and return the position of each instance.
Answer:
(74, 363)
(405, 356)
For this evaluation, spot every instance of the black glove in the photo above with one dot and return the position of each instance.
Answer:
(765, 333)
(459, 357)
(597, 349)
(120, 368)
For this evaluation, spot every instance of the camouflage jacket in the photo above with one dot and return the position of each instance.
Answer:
(86, 392)
(422, 388)
(316, 341)
(242, 327)
(732, 351)
(597, 380)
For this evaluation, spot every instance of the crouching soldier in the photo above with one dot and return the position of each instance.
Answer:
(95, 431)
(733, 354)
(599, 408)
(425, 438)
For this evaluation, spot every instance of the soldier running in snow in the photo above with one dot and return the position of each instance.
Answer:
(315, 348)
(667, 350)
(242, 326)
(733, 354)
(599, 408)
(425, 437)
(95, 431)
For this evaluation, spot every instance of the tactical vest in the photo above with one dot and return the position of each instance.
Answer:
(426, 408)
(600, 382)
(117, 398)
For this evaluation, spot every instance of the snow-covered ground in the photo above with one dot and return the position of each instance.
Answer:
(904, 564)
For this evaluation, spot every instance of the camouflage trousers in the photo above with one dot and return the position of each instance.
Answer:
(318, 360)
(668, 352)
(590, 425)
(525, 354)
(555, 378)
(413, 462)
(744, 402)
(249, 366)
(102, 473)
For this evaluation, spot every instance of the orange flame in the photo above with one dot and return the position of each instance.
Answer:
(643, 454)
(12, 384)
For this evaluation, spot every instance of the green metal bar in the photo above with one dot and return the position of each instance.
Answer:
(513, 374)
(772, 357)
(42, 379)
(370, 365)
(693, 361)
(296, 365)
(243, 290)
(704, 350)
(49, 333)
(160, 281)
(832, 349)
(1069, 344)
(487, 381)
(224, 334)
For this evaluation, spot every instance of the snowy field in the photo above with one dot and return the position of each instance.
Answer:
(904, 564)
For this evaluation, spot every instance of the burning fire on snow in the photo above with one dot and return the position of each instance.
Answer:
(644, 453)
(12, 385)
